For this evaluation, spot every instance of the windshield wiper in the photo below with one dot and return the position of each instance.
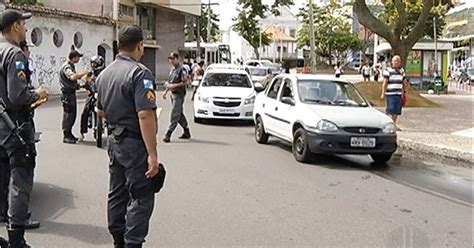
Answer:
(317, 101)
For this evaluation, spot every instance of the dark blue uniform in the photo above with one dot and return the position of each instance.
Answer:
(15, 90)
(124, 88)
(68, 98)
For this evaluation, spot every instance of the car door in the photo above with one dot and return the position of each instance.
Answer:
(284, 111)
(269, 105)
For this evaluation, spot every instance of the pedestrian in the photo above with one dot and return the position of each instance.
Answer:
(126, 98)
(376, 73)
(17, 128)
(68, 81)
(97, 65)
(177, 86)
(25, 47)
(338, 70)
(394, 86)
(366, 72)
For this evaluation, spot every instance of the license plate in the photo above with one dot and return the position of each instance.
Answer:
(363, 142)
(226, 111)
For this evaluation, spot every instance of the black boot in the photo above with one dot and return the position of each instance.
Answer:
(16, 238)
(167, 137)
(119, 241)
(186, 134)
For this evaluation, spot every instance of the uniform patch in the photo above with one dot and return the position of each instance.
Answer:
(148, 84)
(21, 75)
(19, 65)
(150, 95)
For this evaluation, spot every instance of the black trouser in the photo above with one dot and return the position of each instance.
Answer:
(19, 162)
(69, 102)
(86, 112)
(131, 198)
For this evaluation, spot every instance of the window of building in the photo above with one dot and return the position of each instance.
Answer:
(126, 10)
(58, 38)
(78, 40)
(147, 21)
(293, 32)
(36, 36)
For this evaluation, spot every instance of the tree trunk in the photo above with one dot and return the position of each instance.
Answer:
(257, 54)
(401, 50)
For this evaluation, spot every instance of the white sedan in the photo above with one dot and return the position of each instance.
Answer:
(320, 114)
(225, 93)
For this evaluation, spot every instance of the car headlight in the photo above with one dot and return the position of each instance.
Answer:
(389, 128)
(249, 100)
(326, 126)
(203, 99)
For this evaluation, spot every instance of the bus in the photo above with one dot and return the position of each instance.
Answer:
(211, 53)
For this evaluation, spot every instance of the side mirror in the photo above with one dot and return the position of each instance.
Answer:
(259, 87)
(196, 83)
(288, 100)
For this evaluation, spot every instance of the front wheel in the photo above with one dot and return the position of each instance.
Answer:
(260, 135)
(301, 150)
(381, 158)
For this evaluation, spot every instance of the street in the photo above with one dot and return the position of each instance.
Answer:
(223, 189)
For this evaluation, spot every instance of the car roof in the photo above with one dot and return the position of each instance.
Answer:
(224, 66)
(313, 77)
(227, 71)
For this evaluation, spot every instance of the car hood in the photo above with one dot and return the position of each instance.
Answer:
(234, 92)
(344, 116)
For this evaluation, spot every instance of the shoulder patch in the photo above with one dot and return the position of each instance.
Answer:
(19, 65)
(148, 84)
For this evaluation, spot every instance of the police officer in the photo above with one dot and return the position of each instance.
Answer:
(68, 81)
(17, 97)
(126, 98)
(177, 86)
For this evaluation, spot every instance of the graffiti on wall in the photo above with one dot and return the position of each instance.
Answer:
(45, 72)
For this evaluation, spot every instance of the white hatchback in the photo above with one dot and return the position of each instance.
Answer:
(319, 114)
(225, 93)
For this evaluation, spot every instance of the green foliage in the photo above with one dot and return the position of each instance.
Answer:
(215, 32)
(413, 9)
(332, 31)
(247, 24)
(24, 2)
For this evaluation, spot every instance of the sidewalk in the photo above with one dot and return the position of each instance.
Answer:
(454, 86)
(446, 132)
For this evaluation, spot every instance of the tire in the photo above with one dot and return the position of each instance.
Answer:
(260, 135)
(99, 132)
(301, 150)
(380, 159)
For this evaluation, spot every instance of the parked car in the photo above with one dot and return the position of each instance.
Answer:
(259, 74)
(322, 114)
(225, 93)
(259, 63)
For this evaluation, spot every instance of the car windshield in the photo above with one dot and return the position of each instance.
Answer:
(258, 71)
(266, 63)
(226, 80)
(330, 93)
(275, 67)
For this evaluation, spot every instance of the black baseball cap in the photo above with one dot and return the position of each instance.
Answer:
(130, 34)
(74, 53)
(10, 16)
(174, 55)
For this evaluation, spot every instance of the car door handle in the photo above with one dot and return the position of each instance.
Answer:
(263, 105)
(276, 108)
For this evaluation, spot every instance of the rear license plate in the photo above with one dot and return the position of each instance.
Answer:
(363, 142)
(226, 111)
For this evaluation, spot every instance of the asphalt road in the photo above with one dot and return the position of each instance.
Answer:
(223, 189)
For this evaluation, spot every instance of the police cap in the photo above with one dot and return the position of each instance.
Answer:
(10, 16)
(131, 34)
(74, 54)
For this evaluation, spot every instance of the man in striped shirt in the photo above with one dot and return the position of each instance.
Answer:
(393, 89)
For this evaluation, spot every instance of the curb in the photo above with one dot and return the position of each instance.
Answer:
(437, 151)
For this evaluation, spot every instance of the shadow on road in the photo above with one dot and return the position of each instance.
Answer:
(200, 141)
(48, 202)
(228, 123)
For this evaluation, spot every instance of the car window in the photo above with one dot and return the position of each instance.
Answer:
(255, 71)
(287, 89)
(330, 93)
(274, 88)
(218, 79)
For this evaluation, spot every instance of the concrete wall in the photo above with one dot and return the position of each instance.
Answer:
(47, 58)
(89, 7)
(170, 37)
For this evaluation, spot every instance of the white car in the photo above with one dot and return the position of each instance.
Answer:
(225, 93)
(258, 74)
(259, 63)
(322, 114)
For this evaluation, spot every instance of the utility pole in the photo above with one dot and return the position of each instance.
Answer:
(259, 42)
(209, 22)
(198, 40)
(436, 46)
(312, 55)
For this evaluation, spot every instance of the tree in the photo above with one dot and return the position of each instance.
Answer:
(191, 25)
(332, 31)
(247, 24)
(24, 2)
(402, 23)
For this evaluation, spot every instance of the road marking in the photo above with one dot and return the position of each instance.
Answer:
(469, 133)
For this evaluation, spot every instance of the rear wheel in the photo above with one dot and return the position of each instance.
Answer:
(300, 146)
(380, 159)
(260, 135)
